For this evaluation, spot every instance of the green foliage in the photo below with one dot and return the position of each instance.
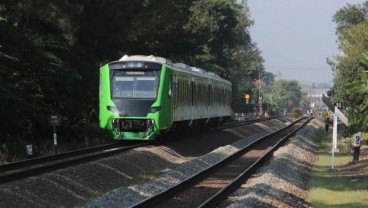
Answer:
(34, 47)
(284, 95)
(352, 31)
(50, 53)
(343, 186)
(358, 91)
(350, 15)
(350, 83)
(336, 187)
(219, 35)
(325, 114)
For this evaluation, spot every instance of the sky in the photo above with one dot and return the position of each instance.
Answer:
(297, 36)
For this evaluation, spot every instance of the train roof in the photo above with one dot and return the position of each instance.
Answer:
(150, 58)
(198, 71)
(176, 66)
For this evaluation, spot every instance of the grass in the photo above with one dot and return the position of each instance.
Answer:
(344, 186)
(148, 175)
(142, 178)
(333, 199)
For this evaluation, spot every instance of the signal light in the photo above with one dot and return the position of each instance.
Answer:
(247, 98)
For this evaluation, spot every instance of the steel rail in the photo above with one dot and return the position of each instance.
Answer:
(27, 168)
(227, 190)
(241, 123)
(50, 158)
(152, 201)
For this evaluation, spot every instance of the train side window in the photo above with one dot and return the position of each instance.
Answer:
(195, 93)
(222, 95)
(185, 92)
(200, 96)
(215, 96)
(209, 95)
(204, 93)
(192, 91)
(184, 100)
(181, 92)
(188, 93)
(175, 92)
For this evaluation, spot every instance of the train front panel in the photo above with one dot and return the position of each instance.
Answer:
(135, 99)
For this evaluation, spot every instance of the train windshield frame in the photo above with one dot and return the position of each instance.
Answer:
(135, 84)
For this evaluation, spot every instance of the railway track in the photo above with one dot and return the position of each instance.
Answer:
(241, 123)
(27, 168)
(210, 186)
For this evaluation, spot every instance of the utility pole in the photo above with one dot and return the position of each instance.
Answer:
(259, 93)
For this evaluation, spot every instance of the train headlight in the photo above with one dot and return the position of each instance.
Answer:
(112, 109)
(155, 109)
(116, 123)
(150, 123)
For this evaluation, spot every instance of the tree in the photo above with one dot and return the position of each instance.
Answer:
(284, 96)
(50, 52)
(352, 31)
(218, 29)
(34, 39)
(358, 112)
(350, 15)
(159, 29)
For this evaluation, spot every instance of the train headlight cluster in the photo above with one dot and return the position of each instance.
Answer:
(113, 109)
(116, 123)
(150, 123)
(155, 109)
(135, 125)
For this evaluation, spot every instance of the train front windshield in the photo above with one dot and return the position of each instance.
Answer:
(135, 84)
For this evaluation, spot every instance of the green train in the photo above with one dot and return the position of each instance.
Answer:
(143, 96)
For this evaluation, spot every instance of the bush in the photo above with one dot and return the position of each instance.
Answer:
(296, 112)
(325, 114)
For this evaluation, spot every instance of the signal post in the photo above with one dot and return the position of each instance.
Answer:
(342, 117)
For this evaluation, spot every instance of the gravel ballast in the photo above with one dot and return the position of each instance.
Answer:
(128, 196)
(125, 179)
(283, 181)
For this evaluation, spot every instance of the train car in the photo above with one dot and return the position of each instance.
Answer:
(143, 96)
